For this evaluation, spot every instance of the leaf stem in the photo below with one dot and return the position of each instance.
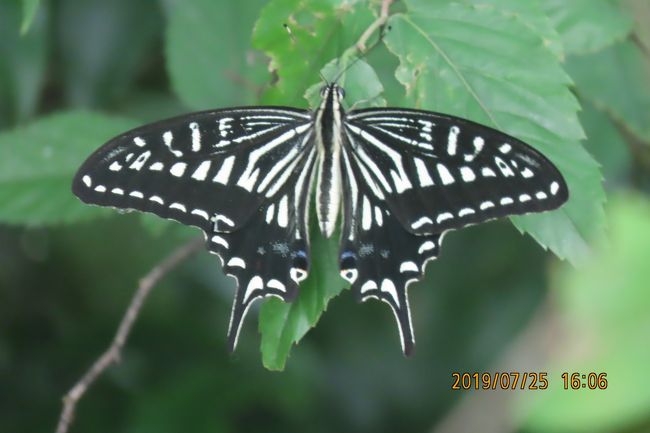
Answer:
(378, 23)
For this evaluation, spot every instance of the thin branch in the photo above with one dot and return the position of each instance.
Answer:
(113, 353)
(378, 23)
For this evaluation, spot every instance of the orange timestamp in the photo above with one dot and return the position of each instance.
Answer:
(577, 380)
(512, 380)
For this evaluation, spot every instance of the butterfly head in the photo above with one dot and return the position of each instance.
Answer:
(332, 89)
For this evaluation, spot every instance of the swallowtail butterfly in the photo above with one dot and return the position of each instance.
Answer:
(396, 179)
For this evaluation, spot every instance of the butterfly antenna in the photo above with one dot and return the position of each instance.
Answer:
(382, 32)
(300, 49)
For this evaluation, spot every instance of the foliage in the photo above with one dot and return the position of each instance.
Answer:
(201, 60)
(30, 7)
(73, 73)
(606, 331)
(38, 161)
(626, 99)
(466, 61)
(22, 63)
(587, 26)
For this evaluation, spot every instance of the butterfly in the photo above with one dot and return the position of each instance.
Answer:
(394, 180)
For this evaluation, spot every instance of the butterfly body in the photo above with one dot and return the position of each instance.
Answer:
(329, 117)
(396, 179)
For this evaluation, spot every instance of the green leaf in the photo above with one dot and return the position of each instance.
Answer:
(361, 84)
(322, 29)
(588, 25)
(617, 80)
(30, 7)
(469, 62)
(151, 106)
(22, 63)
(531, 14)
(384, 64)
(103, 46)
(640, 10)
(603, 312)
(208, 52)
(607, 145)
(38, 161)
(283, 324)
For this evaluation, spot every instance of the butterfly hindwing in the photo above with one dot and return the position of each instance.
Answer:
(441, 172)
(269, 256)
(204, 169)
(377, 256)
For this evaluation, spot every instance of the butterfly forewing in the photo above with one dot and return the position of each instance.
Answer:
(439, 172)
(212, 169)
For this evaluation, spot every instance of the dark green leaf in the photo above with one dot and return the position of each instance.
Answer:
(605, 143)
(151, 106)
(617, 80)
(469, 61)
(118, 40)
(208, 52)
(38, 161)
(588, 25)
(384, 64)
(22, 63)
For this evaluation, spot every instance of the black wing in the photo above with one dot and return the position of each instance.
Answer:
(269, 256)
(441, 172)
(411, 175)
(378, 257)
(241, 175)
(211, 169)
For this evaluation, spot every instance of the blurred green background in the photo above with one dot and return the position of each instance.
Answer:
(75, 72)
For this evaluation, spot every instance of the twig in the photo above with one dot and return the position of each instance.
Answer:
(113, 353)
(379, 22)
